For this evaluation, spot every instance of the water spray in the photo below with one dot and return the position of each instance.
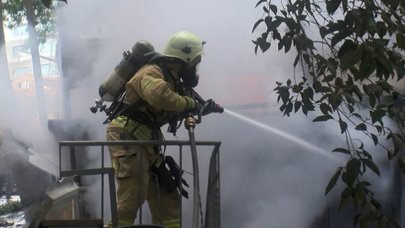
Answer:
(283, 134)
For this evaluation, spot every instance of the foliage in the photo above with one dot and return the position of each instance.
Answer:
(44, 18)
(10, 207)
(350, 68)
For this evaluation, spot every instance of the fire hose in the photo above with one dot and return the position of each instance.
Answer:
(190, 122)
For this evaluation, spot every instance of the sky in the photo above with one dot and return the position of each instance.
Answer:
(267, 177)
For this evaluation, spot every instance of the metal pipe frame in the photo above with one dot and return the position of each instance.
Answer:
(214, 167)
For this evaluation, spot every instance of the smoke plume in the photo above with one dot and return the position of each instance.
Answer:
(266, 180)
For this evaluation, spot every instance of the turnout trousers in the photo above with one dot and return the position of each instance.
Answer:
(136, 184)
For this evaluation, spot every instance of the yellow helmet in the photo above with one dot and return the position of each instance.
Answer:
(184, 45)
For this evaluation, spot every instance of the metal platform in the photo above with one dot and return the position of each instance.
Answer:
(67, 150)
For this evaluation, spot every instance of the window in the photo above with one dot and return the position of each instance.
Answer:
(19, 31)
(49, 69)
(24, 85)
(17, 51)
(47, 48)
(21, 70)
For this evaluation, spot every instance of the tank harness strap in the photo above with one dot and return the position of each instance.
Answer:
(132, 111)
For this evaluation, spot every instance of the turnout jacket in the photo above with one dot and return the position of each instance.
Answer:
(160, 101)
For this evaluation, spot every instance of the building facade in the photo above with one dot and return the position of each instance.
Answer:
(21, 71)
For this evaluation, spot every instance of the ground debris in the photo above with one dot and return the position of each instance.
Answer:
(5, 223)
(13, 220)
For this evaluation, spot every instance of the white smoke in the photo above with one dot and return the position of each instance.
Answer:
(266, 180)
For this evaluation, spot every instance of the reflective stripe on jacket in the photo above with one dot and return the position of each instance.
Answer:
(149, 84)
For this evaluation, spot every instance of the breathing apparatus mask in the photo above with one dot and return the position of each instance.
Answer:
(189, 74)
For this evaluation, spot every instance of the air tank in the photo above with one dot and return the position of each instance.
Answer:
(132, 61)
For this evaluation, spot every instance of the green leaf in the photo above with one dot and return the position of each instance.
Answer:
(353, 166)
(280, 44)
(307, 107)
(341, 150)
(367, 154)
(297, 106)
(385, 63)
(333, 180)
(357, 115)
(370, 164)
(344, 5)
(260, 2)
(284, 13)
(372, 88)
(322, 118)
(297, 88)
(364, 221)
(335, 100)
(325, 109)
(343, 125)
(348, 178)
(367, 64)
(377, 115)
(307, 94)
(297, 58)
(287, 44)
(341, 35)
(350, 58)
(347, 46)
(276, 35)
(291, 24)
(257, 24)
(344, 197)
(273, 25)
(323, 31)
(372, 100)
(284, 94)
(329, 78)
(359, 194)
(288, 109)
(375, 139)
(375, 203)
(339, 82)
(317, 86)
(361, 127)
(332, 6)
(265, 9)
(256, 47)
(401, 40)
(263, 44)
(273, 8)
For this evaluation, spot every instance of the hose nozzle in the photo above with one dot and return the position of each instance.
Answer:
(190, 122)
(210, 106)
(218, 108)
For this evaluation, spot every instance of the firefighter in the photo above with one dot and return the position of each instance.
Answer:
(153, 97)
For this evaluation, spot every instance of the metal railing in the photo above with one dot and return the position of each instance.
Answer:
(212, 214)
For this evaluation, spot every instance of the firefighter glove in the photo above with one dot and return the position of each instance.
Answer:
(176, 173)
(164, 176)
